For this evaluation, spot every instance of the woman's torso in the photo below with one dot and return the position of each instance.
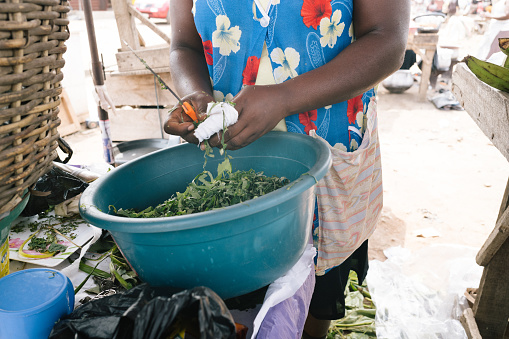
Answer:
(299, 36)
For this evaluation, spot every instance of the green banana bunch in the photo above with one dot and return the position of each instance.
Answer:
(494, 75)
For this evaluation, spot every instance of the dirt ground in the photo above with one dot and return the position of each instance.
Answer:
(443, 179)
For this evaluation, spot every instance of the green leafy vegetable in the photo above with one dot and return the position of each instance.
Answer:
(206, 193)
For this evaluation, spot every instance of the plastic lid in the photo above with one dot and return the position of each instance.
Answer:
(31, 290)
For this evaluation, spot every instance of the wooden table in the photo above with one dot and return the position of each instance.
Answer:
(427, 42)
(489, 108)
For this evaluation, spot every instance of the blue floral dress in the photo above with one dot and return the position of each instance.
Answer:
(300, 35)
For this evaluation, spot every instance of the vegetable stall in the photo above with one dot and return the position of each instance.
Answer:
(489, 108)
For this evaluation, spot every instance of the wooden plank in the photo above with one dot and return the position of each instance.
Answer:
(134, 12)
(134, 124)
(497, 237)
(426, 73)
(156, 57)
(491, 307)
(424, 40)
(126, 26)
(505, 201)
(468, 321)
(428, 43)
(139, 90)
(69, 121)
(487, 106)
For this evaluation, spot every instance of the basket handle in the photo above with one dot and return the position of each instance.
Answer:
(66, 148)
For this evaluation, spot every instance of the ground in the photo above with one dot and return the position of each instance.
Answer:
(443, 179)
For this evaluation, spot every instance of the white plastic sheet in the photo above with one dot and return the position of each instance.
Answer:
(421, 294)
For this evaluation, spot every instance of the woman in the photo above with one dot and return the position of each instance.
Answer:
(295, 65)
(498, 28)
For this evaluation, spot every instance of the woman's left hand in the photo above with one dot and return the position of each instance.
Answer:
(260, 109)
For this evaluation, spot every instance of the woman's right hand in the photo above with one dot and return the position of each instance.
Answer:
(179, 123)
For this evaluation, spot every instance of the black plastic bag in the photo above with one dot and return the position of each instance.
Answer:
(144, 312)
(51, 189)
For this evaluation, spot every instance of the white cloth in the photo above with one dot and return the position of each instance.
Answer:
(219, 114)
(495, 27)
(104, 98)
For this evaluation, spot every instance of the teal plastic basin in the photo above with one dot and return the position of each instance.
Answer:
(234, 250)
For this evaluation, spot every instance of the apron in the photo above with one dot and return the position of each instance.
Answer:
(298, 36)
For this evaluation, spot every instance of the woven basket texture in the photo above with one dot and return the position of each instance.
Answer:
(32, 43)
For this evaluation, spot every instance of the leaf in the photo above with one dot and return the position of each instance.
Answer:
(224, 169)
(207, 193)
(354, 300)
(54, 247)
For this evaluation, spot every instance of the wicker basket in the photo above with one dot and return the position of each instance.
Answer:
(32, 36)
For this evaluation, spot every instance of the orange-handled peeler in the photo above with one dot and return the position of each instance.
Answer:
(188, 109)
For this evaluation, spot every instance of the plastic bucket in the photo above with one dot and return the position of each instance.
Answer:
(234, 250)
(5, 227)
(32, 301)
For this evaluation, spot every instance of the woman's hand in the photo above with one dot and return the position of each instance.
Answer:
(179, 123)
(260, 109)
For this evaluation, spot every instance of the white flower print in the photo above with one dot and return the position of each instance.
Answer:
(350, 32)
(359, 119)
(220, 97)
(224, 37)
(354, 145)
(289, 61)
(340, 147)
(331, 29)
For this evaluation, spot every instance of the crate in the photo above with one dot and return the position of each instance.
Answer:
(32, 43)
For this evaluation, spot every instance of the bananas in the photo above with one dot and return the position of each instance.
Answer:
(489, 73)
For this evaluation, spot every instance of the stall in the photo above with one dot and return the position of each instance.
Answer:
(489, 108)
(424, 45)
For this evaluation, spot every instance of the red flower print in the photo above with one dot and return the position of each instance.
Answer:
(251, 71)
(207, 48)
(314, 10)
(355, 106)
(307, 119)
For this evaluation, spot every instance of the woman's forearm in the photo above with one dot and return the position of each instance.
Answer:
(187, 58)
(189, 71)
(381, 28)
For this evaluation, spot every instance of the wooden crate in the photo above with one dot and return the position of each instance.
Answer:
(137, 88)
(137, 123)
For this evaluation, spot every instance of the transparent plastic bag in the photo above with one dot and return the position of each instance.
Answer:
(421, 294)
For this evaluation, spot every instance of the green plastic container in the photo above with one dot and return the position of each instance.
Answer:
(234, 250)
(5, 227)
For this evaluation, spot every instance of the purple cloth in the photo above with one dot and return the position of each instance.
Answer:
(286, 319)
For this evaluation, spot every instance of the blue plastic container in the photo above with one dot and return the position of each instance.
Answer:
(32, 301)
(234, 250)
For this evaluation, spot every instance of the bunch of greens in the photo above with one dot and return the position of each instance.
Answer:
(359, 320)
(206, 193)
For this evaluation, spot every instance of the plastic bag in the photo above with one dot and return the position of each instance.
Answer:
(51, 189)
(421, 295)
(144, 312)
